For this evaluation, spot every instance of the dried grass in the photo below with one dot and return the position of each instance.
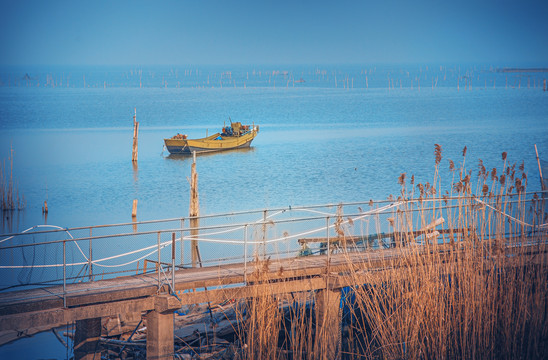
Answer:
(9, 194)
(478, 294)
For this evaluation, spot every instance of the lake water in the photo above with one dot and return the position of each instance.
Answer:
(344, 134)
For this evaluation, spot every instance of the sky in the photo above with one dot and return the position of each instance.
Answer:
(222, 32)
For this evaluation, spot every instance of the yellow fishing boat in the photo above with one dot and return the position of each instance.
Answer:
(235, 136)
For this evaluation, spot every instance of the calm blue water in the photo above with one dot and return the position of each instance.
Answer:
(72, 146)
(320, 141)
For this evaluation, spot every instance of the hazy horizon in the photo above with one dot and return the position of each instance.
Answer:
(242, 32)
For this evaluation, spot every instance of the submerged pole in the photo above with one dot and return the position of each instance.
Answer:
(135, 137)
(134, 209)
(194, 212)
(542, 187)
(328, 324)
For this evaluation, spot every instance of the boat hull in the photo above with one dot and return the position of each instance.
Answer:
(211, 143)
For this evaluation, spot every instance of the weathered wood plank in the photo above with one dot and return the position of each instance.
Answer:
(27, 320)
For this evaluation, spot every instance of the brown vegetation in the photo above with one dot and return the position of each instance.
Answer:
(478, 295)
(9, 194)
(478, 289)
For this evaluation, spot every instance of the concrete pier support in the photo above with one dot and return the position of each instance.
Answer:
(86, 339)
(160, 327)
(328, 324)
(159, 335)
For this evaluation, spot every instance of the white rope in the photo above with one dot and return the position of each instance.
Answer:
(317, 212)
(35, 227)
(95, 262)
(154, 248)
(124, 254)
(128, 263)
(508, 216)
(236, 228)
(48, 226)
(323, 228)
(98, 262)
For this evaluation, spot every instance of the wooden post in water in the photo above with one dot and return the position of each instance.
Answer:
(542, 187)
(328, 324)
(194, 212)
(135, 136)
(134, 209)
(45, 211)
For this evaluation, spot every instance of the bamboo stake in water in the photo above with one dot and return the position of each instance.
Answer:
(134, 209)
(135, 136)
(194, 211)
(540, 171)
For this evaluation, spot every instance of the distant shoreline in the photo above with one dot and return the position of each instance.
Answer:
(519, 70)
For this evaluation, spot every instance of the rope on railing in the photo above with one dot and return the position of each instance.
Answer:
(509, 216)
(99, 262)
(36, 227)
(204, 236)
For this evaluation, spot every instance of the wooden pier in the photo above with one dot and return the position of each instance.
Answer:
(87, 302)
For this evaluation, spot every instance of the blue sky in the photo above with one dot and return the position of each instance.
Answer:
(123, 32)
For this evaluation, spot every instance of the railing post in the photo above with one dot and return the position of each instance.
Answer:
(182, 243)
(158, 264)
(64, 273)
(328, 240)
(173, 262)
(245, 254)
(264, 235)
(90, 264)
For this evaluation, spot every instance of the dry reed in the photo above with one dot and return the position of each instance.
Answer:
(471, 300)
(9, 194)
(478, 291)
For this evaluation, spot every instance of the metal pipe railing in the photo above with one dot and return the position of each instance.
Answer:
(524, 197)
(240, 237)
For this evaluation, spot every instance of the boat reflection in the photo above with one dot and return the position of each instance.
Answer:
(183, 157)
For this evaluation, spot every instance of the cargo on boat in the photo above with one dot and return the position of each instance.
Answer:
(235, 136)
